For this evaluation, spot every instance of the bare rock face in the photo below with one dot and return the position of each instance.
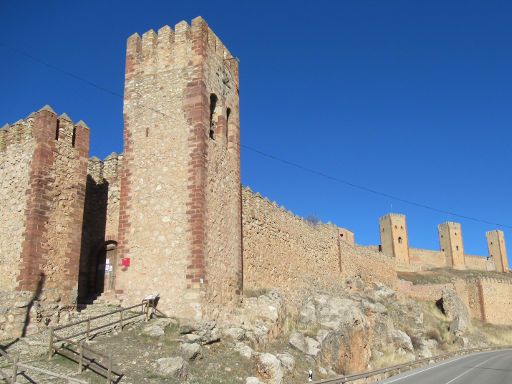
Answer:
(304, 344)
(287, 361)
(262, 317)
(347, 349)
(402, 340)
(343, 342)
(268, 367)
(458, 326)
(454, 308)
(172, 367)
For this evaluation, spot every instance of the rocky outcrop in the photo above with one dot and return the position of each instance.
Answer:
(172, 367)
(268, 367)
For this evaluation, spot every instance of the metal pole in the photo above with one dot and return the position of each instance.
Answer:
(15, 368)
(50, 347)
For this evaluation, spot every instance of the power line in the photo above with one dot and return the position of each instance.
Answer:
(267, 155)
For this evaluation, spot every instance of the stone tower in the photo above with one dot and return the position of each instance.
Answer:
(497, 249)
(393, 237)
(450, 240)
(43, 167)
(180, 207)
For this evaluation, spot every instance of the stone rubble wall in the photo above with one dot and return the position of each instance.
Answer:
(427, 258)
(101, 222)
(496, 297)
(286, 252)
(17, 146)
(479, 263)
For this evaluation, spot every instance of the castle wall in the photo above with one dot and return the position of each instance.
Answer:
(17, 146)
(42, 171)
(479, 263)
(497, 300)
(424, 292)
(427, 258)
(100, 224)
(286, 252)
(223, 248)
(180, 192)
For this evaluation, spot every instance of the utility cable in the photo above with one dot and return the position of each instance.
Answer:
(267, 155)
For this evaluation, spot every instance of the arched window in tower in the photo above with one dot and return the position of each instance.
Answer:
(213, 115)
(228, 113)
(400, 240)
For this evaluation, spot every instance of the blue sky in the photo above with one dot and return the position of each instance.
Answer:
(411, 98)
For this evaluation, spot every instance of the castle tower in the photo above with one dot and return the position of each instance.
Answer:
(450, 239)
(497, 249)
(393, 237)
(43, 168)
(180, 207)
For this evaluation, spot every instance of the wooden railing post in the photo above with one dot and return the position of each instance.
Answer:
(121, 319)
(15, 368)
(87, 335)
(50, 347)
(109, 373)
(80, 357)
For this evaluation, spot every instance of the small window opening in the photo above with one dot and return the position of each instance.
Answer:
(147, 132)
(442, 249)
(399, 240)
(213, 105)
(228, 113)
(57, 130)
(396, 227)
(73, 139)
(341, 234)
(457, 247)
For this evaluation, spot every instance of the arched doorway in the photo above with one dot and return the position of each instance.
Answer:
(110, 268)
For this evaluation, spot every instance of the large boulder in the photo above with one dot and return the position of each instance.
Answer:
(453, 307)
(346, 350)
(190, 351)
(268, 367)
(287, 361)
(402, 340)
(172, 367)
(459, 326)
(262, 317)
(304, 344)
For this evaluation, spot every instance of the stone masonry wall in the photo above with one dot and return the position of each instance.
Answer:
(223, 251)
(17, 146)
(100, 224)
(496, 299)
(479, 263)
(286, 252)
(427, 258)
(180, 193)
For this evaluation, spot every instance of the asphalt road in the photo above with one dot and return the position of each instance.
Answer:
(479, 368)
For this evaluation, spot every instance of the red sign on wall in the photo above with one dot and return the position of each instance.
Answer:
(125, 262)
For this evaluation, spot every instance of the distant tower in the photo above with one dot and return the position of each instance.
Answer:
(450, 239)
(393, 237)
(497, 249)
(180, 208)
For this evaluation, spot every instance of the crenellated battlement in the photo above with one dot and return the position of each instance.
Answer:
(107, 169)
(44, 125)
(17, 133)
(159, 48)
